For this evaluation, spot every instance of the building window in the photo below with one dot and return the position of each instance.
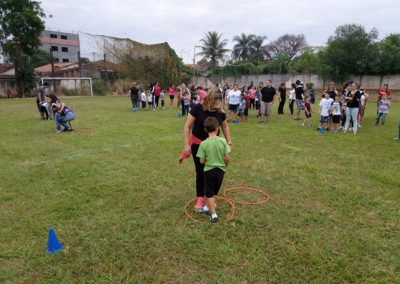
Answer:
(53, 35)
(64, 37)
(54, 48)
(56, 60)
(64, 49)
(65, 60)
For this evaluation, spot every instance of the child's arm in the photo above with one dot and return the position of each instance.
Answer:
(203, 160)
(226, 159)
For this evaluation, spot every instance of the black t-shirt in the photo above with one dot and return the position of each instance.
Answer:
(355, 102)
(200, 116)
(299, 91)
(282, 91)
(134, 93)
(267, 94)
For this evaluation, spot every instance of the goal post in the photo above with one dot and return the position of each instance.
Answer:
(70, 86)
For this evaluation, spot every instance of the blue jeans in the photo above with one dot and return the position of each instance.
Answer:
(63, 120)
(351, 112)
(399, 129)
(383, 115)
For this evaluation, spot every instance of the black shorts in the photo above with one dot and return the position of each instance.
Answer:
(171, 97)
(233, 107)
(213, 181)
(336, 118)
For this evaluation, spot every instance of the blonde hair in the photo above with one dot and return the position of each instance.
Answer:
(213, 101)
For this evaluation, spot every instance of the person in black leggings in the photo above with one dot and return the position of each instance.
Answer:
(194, 133)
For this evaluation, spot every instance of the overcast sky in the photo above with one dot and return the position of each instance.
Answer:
(182, 23)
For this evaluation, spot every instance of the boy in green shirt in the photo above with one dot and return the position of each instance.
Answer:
(214, 154)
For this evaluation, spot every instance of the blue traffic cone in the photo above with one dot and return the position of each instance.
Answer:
(322, 130)
(53, 245)
(237, 121)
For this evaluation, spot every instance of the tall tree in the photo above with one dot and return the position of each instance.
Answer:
(213, 47)
(243, 47)
(287, 44)
(307, 62)
(257, 51)
(21, 23)
(389, 55)
(351, 50)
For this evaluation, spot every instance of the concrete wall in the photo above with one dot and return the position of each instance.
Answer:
(368, 81)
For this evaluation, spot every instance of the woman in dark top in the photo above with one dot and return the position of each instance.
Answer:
(194, 134)
(282, 97)
(352, 99)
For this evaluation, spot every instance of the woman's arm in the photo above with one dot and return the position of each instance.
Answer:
(227, 133)
(186, 132)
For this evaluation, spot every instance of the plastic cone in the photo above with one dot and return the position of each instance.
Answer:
(322, 130)
(53, 245)
(237, 121)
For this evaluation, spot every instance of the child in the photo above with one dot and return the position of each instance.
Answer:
(162, 97)
(143, 99)
(308, 111)
(336, 110)
(186, 103)
(384, 105)
(242, 107)
(247, 97)
(214, 154)
(149, 99)
(325, 106)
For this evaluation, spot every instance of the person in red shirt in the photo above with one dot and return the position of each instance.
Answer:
(171, 92)
(156, 93)
(383, 91)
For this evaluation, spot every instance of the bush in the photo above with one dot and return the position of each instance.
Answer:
(99, 87)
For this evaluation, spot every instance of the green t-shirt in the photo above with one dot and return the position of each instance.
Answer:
(214, 150)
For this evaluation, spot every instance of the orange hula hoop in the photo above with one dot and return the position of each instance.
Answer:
(228, 217)
(266, 196)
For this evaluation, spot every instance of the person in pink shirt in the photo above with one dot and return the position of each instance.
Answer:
(202, 94)
(156, 94)
(171, 92)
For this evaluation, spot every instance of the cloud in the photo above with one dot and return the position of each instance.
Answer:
(183, 23)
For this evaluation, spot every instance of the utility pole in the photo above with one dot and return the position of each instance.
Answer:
(194, 63)
(53, 72)
(79, 64)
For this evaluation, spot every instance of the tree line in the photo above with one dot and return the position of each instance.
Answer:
(351, 50)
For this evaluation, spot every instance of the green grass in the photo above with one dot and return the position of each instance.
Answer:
(114, 193)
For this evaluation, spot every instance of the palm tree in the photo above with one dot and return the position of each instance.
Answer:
(257, 51)
(213, 48)
(243, 48)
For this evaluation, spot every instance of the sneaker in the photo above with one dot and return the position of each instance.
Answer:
(302, 124)
(214, 220)
(58, 131)
(200, 202)
(397, 138)
(354, 132)
(65, 130)
(204, 211)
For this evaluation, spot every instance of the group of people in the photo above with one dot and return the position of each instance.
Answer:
(207, 118)
(50, 106)
(151, 96)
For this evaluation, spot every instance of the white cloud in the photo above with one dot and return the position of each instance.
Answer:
(183, 23)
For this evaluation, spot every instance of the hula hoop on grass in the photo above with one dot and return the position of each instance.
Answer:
(228, 217)
(266, 196)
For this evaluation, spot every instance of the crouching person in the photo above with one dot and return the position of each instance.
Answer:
(64, 116)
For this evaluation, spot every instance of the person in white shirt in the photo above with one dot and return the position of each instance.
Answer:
(233, 100)
(143, 99)
(325, 106)
(336, 110)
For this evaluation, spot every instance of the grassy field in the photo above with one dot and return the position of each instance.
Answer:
(114, 193)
